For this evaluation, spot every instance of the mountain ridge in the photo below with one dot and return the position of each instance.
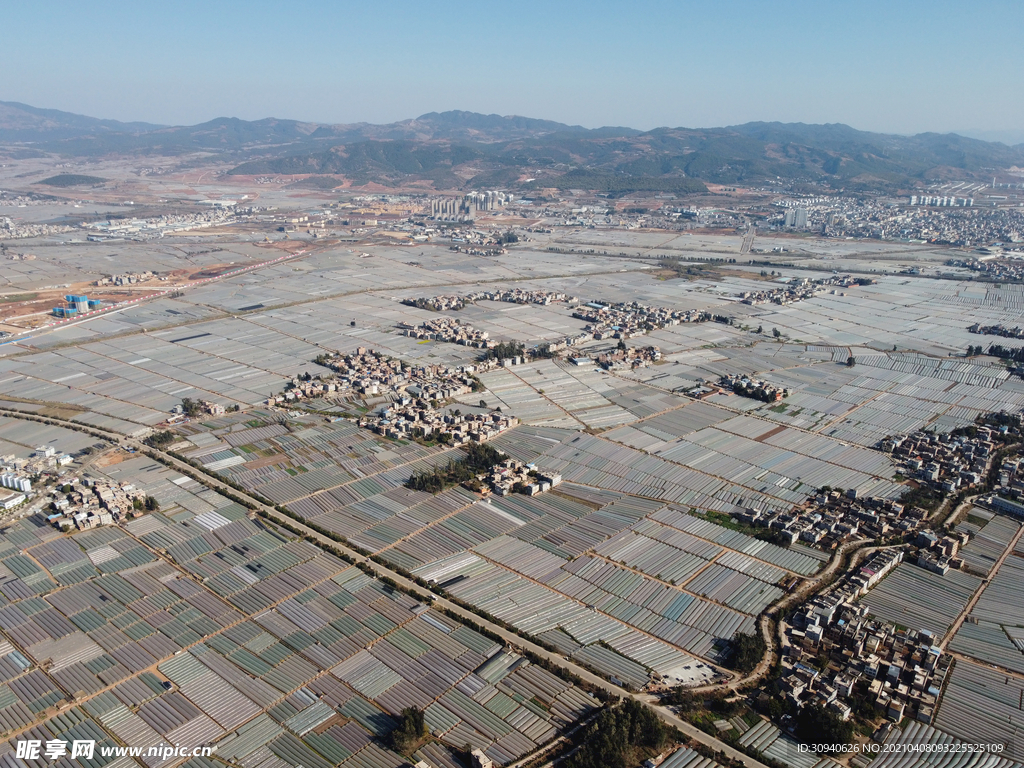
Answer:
(456, 148)
(22, 123)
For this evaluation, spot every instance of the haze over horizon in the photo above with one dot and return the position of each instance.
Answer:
(1009, 138)
(892, 69)
(601, 384)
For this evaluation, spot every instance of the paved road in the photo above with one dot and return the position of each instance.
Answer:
(121, 306)
(510, 638)
(748, 238)
(799, 595)
(977, 595)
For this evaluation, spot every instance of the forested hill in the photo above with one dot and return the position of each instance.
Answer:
(466, 150)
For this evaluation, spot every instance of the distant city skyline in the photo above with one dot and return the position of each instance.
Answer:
(904, 68)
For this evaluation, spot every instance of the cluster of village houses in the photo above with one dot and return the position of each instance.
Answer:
(450, 330)
(800, 288)
(938, 552)
(835, 655)
(629, 359)
(438, 303)
(513, 476)
(213, 409)
(412, 393)
(16, 473)
(757, 389)
(1011, 476)
(508, 295)
(992, 268)
(415, 419)
(946, 461)
(367, 371)
(91, 503)
(370, 373)
(128, 278)
(832, 517)
(521, 296)
(624, 320)
(604, 320)
(492, 249)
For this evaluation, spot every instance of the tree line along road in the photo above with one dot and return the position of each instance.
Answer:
(405, 584)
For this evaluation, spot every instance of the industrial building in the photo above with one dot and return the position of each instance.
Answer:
(76, 305)
(1009, 506)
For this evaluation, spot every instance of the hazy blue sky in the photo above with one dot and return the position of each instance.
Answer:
(901, 65)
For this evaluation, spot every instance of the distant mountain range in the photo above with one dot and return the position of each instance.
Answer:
(22, 123)
(470, 150)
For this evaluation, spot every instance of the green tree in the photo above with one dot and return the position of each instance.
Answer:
(479, 458)
(190, 407)
(621, 737)
(160, 439)
(410, 731)
(747, 651)
(505, 349)
(152, 504)
(817, 725)
(776, 332)
(851, 361)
